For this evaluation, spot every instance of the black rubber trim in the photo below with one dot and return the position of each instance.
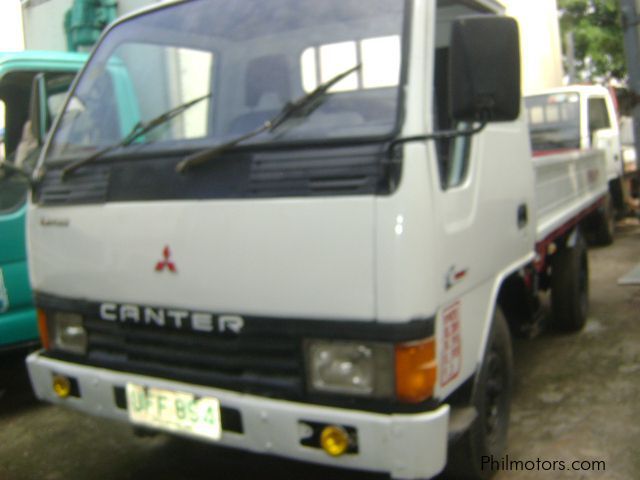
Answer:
(334, 329)
(120, 397)
(25, 345)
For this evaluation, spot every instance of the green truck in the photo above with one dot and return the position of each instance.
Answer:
(19, 147)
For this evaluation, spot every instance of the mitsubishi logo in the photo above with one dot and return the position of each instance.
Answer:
(166, 261)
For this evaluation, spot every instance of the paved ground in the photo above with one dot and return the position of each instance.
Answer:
(576, 398)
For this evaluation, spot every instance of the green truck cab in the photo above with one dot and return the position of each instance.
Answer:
(18, 324)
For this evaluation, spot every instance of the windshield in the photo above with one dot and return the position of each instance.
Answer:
(554, 121)
(249, 58)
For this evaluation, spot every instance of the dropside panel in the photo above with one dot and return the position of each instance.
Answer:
(566, 184)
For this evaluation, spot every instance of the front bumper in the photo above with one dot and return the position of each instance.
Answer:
(405, 446)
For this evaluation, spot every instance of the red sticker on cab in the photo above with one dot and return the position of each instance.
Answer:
(451, 347)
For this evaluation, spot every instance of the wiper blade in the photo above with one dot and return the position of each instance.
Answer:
(136, 132)
(301, 107)
(306, 104)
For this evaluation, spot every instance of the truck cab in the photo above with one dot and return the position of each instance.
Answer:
(579, 117)
(296, 224)
(18, 325)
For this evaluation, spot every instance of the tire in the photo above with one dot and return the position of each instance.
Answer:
(487, 436)
(604, 223)
(570, 287)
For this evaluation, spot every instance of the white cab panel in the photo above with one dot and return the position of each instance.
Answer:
(310, 258)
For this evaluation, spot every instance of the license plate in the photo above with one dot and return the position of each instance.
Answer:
(174, 411)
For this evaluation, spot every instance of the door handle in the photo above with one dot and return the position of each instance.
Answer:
(523, 215)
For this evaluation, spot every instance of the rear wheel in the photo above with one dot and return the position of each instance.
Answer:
(570, 287)
(604, 223)
(487, 436)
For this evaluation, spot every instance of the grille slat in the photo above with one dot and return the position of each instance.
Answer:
(181, 339)
(316, 172)
(83, 186)
(257, 364)
(227, 361)
(274, 385)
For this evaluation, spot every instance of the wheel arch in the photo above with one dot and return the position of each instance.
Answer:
(504, 283)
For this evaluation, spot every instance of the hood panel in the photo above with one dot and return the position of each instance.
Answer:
(293, 258)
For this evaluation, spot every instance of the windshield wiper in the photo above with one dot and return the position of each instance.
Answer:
(136, 132)
(301, 107)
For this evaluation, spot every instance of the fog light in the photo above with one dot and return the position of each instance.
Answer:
(334, 440)
(62, 386)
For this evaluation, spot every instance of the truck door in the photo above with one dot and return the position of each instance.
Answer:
(14, 283)
(20, 147)
(13, 274)
(603, 134)
(486, 193)
(486, 205)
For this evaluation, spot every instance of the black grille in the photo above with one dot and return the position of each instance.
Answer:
(82, 186)
(320, 171)
(266, 366)
(238, 174)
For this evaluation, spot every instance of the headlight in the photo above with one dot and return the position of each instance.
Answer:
(629, 154)
(629, 157)
(66, 332)
(359, 368)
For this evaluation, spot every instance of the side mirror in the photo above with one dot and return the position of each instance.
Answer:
(485, 69)
(38, 109)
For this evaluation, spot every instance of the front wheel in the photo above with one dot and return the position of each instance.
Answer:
(486, 439)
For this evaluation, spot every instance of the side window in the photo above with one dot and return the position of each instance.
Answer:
(379, 57)
(453, 154)
(598, 115)
(57, 87)
(13, 188)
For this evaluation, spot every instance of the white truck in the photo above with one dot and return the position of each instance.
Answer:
(302, 228)
(581, 117)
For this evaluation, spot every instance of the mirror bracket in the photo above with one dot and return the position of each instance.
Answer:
(439, 135)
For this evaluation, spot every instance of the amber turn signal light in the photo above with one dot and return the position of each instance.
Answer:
(416, 370)
(43, 329)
